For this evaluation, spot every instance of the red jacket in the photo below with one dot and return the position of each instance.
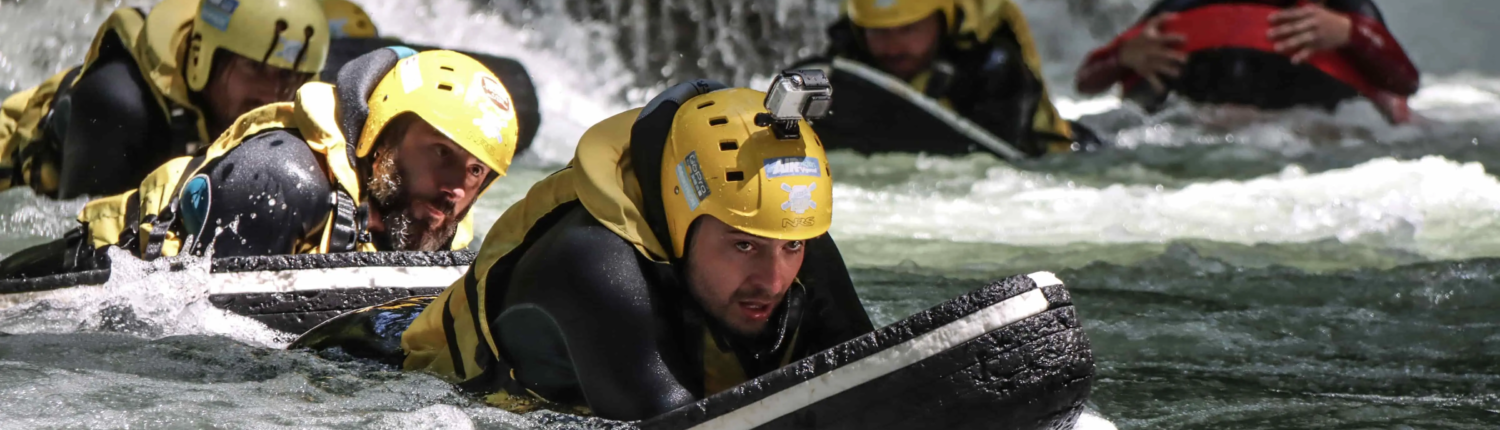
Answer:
(1373, 62)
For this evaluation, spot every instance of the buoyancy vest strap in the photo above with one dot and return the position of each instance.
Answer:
(348, 226)
(130, 235)
(164, 221)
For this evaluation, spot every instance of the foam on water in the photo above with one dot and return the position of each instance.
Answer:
(1427, 206)
(572, 97)
(141, 298)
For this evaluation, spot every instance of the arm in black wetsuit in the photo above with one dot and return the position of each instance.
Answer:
(107, 122)
(108, 144)
(271, 189)
(580, 320)
(1001, 93)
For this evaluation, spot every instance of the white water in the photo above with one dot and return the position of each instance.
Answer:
(142, 298)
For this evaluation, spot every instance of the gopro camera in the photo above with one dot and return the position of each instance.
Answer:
(795, 95)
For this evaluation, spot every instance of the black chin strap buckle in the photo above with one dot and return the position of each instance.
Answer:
(350, 223)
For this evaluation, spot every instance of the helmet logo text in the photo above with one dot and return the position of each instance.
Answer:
(793, 166)
(217, 12)
(797, 222)
(690, 178)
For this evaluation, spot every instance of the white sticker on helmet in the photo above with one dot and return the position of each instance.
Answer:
(799, 197)
(411, 74)
(491, 124)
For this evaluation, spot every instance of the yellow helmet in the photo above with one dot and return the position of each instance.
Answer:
(717, 162)
(289, 34)
(348, 20)
(455, 94)
(897, 13)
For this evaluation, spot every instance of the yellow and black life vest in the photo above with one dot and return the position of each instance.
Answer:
(601, 177)
(157, 43)
(143, 219)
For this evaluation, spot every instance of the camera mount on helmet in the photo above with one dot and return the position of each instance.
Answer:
(795, 95)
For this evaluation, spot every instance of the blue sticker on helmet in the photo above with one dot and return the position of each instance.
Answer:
(793, 166)
(690, 180)
(194, 204)
(402, 51)
(217, 12)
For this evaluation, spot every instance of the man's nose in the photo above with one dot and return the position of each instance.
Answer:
(771, 272)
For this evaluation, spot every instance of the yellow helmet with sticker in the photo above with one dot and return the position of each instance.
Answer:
(454, 93)
(718, 162)
(287, 34)
(348, 20)
(897, 13)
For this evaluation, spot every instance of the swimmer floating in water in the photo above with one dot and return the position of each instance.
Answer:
(707, 257)
(1266, 54)
(392, 158)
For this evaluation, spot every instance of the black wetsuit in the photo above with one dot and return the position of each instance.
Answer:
(272, 189)
(584, 319)
(265, 194)
(989, 84)
(588, 320)
(111, 130)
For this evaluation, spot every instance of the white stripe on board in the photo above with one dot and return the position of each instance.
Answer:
(888, 360)
(334, 279)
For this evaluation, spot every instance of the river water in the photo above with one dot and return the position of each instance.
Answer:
(1234, 270)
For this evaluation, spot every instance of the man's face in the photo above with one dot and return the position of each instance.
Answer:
(239, 85)
(423, 193)
(740, 278)
(907, 50)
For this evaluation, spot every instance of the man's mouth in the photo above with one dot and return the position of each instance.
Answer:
(756, 310)
(430, 213)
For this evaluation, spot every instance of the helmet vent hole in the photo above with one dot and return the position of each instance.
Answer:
(705, 104)
(445, 87)
(734, 176)
(271, 48)
(446, 68)
(718, 121)
(729, 145)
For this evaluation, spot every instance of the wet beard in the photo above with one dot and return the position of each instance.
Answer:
(402, 231)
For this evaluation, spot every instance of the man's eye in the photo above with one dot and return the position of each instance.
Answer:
(744, 246)
(476, 171)
(795, 245)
